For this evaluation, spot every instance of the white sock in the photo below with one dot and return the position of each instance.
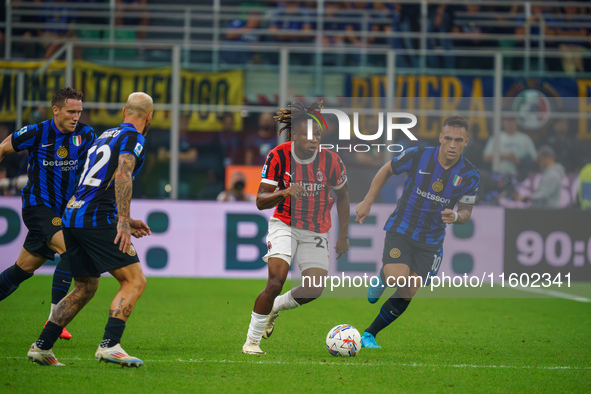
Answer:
(51, 311)
(256, 328)
(284, 302)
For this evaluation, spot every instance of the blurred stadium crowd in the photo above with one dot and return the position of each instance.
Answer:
(399, 25)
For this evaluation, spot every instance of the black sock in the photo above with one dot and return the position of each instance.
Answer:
(49, 335)
(390, 311)
(61, 279)
(10, 279)
(113, 332)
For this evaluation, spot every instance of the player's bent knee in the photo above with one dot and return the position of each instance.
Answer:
(29, 262)
(274, 286)
(140, 283)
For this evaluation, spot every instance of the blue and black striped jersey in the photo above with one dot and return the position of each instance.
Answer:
(428, 190)
(55, 162)
(94, 203)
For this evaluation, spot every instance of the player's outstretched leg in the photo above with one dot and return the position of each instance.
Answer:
(41, 351)
(10, 279)
(281, 303)
(26, 264)
(390, 311)
(59, 288)
(296, 297)
(375, 292)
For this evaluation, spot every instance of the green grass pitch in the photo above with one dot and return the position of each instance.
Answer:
(189, 333)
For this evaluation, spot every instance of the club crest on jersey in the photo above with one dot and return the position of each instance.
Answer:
(76, 140)
(56, 221)
(21, 132)
(395, 253)
(457, 180)
(138, 149)
(319, 176)
(62, 152)
(437, 186)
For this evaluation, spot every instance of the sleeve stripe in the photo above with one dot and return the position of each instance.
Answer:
(341, 185)
(269, 182)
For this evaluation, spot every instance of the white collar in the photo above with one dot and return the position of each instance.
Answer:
(301, 161)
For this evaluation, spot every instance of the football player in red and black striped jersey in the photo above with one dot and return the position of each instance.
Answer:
(299, 180)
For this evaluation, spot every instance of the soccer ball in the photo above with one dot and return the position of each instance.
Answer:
(343, 340)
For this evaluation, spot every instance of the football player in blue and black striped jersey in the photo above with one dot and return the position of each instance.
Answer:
(98, 230)
(57, 150)
(439, 178)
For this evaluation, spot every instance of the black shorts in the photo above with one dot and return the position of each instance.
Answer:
(42, 223)
(422, 258)
(91, 251)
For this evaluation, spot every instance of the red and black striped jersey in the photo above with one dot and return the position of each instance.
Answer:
(318, 175)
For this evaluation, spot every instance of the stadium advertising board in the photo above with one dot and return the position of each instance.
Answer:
(553, 242)
(103, 84)
(212, 239)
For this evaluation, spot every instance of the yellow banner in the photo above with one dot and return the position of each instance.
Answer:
(103, 84)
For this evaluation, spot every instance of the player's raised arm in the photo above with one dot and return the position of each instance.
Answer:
(6, 147)
(123, 190)
(379, 181)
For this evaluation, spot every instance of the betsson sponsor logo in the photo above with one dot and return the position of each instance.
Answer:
(432, 197)
(66, 165)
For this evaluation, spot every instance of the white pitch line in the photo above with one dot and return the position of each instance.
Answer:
(344, 363)
(552, 293)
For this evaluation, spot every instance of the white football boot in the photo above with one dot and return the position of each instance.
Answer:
(117, 355)
(252, 348)
(42, 357)
(270, 324)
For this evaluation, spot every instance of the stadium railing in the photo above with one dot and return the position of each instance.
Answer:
(208, 23)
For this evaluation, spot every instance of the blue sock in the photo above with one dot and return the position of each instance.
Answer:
(62, 279)
(10, 279)
(390, 311)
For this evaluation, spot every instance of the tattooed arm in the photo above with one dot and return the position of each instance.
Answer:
(123, 189)
(464, 212)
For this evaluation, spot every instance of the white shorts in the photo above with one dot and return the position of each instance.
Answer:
(284, 242)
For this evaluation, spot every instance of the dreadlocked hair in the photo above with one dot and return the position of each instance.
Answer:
(293, 114)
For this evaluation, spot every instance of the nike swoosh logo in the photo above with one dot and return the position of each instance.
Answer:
(46, 145)
(424, 173)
